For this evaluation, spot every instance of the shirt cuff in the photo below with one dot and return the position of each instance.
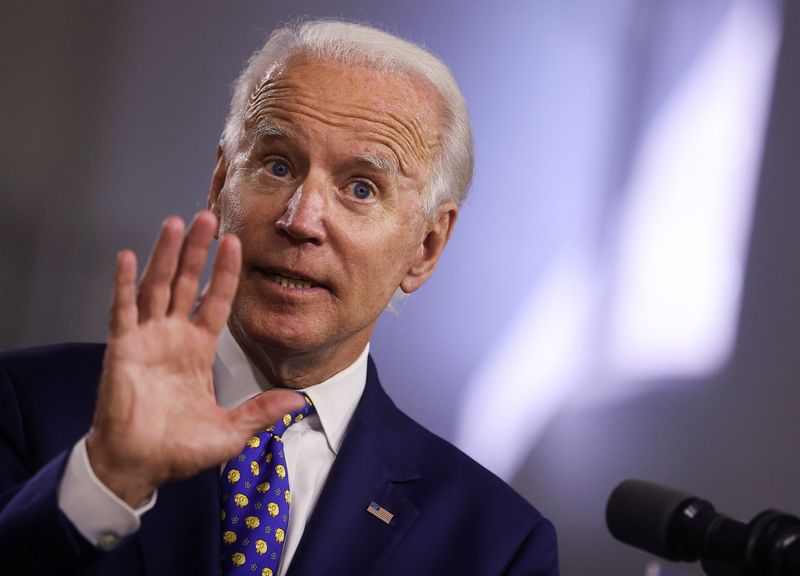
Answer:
(96, 512)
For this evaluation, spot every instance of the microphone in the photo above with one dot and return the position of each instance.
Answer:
(678, 526)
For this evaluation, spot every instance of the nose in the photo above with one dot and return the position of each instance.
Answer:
(304, 217)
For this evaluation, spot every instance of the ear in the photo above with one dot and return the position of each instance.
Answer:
(217, 184)
(437, 233)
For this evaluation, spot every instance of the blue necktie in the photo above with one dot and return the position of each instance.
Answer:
(255, 500)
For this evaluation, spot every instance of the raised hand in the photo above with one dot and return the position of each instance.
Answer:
(156, 418)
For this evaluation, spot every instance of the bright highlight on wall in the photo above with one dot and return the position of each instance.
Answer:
(660, 297)
(683, 232)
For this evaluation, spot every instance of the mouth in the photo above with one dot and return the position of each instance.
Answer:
(290, 281)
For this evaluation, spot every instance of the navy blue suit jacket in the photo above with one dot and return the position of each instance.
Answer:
(451, 516)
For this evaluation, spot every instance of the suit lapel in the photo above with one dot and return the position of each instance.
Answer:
(180, 535)
(373, 465)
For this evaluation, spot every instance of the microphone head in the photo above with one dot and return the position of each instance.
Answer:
(640, 513)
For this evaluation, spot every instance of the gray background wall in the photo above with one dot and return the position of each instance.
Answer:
(111, 112)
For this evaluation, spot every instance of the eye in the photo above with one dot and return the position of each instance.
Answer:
(361, 190)
(279, 168)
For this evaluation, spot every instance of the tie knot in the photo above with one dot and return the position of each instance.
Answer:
(288, 419)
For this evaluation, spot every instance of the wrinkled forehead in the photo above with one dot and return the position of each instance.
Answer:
(396, 109)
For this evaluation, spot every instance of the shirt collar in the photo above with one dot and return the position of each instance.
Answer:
(236, 379)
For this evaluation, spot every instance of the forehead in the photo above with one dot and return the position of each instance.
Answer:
(386, 114)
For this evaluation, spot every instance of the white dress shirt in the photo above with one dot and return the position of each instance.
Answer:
(310, 446)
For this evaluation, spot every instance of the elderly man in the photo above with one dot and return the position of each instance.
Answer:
(340, 171)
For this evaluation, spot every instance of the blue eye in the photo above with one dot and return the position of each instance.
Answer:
(278, 168)
(361, 190)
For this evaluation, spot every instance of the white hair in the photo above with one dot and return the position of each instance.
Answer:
(347, 42)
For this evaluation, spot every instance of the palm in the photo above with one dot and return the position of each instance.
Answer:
(156, 416)
(164, 367)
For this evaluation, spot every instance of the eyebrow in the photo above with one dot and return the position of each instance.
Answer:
(266, 130)
(379, 162)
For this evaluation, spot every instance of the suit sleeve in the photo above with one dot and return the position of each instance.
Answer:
(35, 536)
(538, 553)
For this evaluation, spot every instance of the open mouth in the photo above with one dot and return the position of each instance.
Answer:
(291, 282)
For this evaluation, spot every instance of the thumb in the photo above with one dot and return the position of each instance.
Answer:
(265, 409)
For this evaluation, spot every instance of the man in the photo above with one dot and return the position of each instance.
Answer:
(341, 168)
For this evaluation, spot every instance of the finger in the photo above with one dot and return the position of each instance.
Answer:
(265, 409)
(192, 261)
(124, 314)
(155, 288)
(215, 306)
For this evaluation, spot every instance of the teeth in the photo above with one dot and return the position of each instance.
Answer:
(289, 282)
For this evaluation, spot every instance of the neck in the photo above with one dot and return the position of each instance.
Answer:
(298, 369)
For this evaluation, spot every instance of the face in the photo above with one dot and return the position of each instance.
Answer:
(325, 193)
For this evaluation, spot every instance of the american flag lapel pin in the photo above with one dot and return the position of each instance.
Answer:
(380, 512)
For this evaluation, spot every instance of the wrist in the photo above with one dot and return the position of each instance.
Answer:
(126, 481)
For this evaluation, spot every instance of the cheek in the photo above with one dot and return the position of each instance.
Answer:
(403, 238)
(232, 212)
(243, 213)
(233, 202)
(391, 253)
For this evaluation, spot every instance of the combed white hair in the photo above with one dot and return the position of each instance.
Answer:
(347, 42)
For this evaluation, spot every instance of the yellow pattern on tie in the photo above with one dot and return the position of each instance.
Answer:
(256, 498)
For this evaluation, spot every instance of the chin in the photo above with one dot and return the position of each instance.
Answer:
(266, 331)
